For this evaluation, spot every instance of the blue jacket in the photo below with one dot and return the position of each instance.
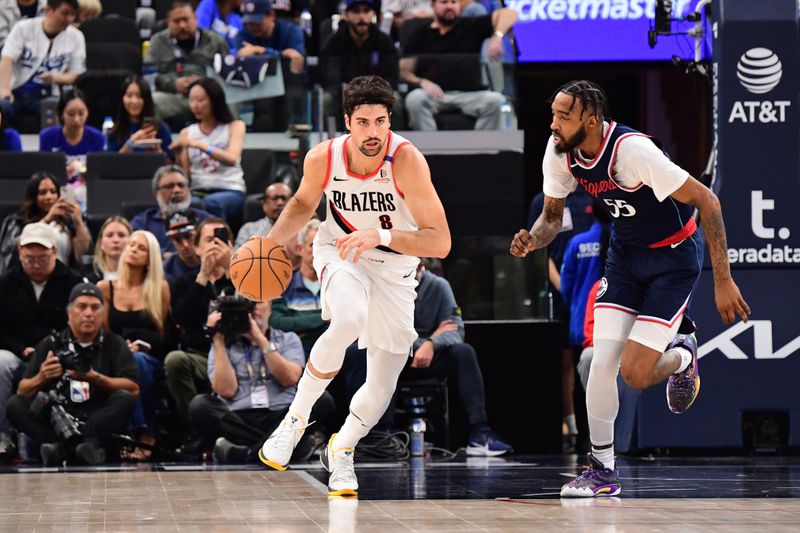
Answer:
(579, 271)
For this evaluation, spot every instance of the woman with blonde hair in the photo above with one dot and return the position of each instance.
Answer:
(111, 241)
(137, 308)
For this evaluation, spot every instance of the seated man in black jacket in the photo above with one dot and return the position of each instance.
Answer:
(79, 372)
(35, 296)
(187, 369)
(358, 48)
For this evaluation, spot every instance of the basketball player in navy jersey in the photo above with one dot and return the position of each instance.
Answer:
(383, 213)
(654, 260)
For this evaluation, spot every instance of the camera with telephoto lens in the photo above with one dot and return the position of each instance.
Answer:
(235, 311)
(65, 425)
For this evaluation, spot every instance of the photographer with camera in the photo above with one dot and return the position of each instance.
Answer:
(254, 370)
(80, 386)
(36, 292)
(186, 368)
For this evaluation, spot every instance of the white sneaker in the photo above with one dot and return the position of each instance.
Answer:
(277, 449)
(342, 481)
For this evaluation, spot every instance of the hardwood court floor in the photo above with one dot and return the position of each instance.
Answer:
(519, 494)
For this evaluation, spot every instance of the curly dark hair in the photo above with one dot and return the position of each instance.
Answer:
(592, 97)
(367, 90)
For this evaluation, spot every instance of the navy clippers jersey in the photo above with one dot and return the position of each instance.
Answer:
(639, 218)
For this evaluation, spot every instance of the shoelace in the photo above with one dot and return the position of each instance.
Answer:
(283, 437)
(344, 467)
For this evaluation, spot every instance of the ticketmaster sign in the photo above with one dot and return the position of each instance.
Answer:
(597, 30)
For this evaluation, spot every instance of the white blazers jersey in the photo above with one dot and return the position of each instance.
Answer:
(356, 202)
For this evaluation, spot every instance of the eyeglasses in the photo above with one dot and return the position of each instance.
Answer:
(178, 184)
(35, 261)
(280, 197)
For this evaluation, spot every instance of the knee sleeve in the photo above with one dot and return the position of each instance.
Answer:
(371, 400)
(347, 300)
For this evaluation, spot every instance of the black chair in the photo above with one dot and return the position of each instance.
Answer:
(253, 208)
(122, 8)
(16, 168)
(130, 209)
(107, 65)
(427, 399)
(120, 29)
(258, 165)
(114, 178)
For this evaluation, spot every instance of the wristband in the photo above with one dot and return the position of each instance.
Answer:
(210, 151)
(130, 144)
(385, 236)
(499, 34)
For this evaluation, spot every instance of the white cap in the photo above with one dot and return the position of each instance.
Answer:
(38, 233)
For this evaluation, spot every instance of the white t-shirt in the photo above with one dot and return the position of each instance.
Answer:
(33, 53)
(638, 161)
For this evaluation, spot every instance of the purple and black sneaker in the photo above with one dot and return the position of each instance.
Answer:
(683, 388)
(596, 480)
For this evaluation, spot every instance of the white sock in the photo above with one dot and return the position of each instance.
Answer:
(309, 389)
(572, 426)
(605, 456)
(353, 430)
(686, 359)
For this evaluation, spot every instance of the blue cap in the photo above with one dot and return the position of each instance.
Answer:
(351, 3)
(254, 11)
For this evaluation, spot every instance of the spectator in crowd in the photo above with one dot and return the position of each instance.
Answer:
(299, 308)
(136, 128)
(254, 380)
(440, 351)
(358, 48)
(10, 140)
(35, 297)
(221, 17)
(88, 10)
(264, 32)
(186, 368)
(578, 217)
(472, 8)
(181, 54)
(171, 191)
(37, 54)
(210, 150)
(103, 396)
(73, 136)
(181, 232)
(43, 203)
(276, 196)
(459, 86)
(12, 11)
(112, 239)
(137, 306)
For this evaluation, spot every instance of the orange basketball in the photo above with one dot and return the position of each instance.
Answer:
(260, 269)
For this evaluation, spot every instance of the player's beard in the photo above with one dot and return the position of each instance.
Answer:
(568, 145)
(371, 153)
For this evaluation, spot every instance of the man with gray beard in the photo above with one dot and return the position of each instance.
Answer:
(171, 190)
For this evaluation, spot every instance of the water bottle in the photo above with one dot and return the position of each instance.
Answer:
(305, 21)
(108, 125)
(506, 116)
(22, 446)
(418, 437)
(386, 22)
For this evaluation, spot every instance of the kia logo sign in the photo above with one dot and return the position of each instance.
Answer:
(759, 70)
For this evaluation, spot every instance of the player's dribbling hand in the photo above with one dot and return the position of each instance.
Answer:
(730, 301)
(522, 244)
(359, 242)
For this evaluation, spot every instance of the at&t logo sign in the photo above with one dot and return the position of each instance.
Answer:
(759, 71)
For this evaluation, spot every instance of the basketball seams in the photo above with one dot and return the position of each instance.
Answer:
(279, 267)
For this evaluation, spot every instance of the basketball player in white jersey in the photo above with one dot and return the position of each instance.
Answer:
(383, 213)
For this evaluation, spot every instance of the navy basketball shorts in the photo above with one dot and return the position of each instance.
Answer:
(653, 285)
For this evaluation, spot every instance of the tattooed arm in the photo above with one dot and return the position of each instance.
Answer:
(544, 230)
(728, 298)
